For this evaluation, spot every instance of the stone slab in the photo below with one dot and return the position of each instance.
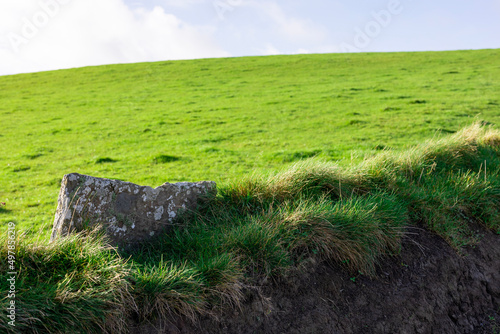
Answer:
(129, 213)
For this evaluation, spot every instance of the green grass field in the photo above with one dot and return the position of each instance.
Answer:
(245, 123)
(220, 119)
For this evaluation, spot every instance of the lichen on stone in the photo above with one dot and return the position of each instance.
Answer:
(127, 212)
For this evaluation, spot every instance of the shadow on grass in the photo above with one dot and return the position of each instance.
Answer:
(3, 209)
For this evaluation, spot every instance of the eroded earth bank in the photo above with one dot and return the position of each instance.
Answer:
(428, 288)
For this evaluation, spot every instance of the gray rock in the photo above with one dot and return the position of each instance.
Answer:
(127, 212)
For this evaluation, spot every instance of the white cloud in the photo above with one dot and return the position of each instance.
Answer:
(183, 3)
(93, 32)
(328, 49)
(302, 51)
(294, 29)
(269, 50)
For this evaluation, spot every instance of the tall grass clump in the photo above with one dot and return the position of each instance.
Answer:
(164, 290)
(185, 273)
(355, 231)
(447, 183)
(73, 285)
(304, 179)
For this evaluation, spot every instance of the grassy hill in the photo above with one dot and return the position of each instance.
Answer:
(220, 119)
(369, 192)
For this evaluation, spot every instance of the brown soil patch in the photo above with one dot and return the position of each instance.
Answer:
(428, 288)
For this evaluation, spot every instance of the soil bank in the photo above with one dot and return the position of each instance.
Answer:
(428, 288)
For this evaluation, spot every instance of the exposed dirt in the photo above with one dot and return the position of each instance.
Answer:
(428, 288)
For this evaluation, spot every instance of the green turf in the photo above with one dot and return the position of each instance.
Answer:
(220, 119)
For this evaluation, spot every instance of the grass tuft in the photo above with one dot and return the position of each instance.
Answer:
(165, 289)
(354, 231)
(76, 283)
(446, 182)
(163, 158)
(105, 160)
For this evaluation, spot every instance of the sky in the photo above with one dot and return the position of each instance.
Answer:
(40, 35)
